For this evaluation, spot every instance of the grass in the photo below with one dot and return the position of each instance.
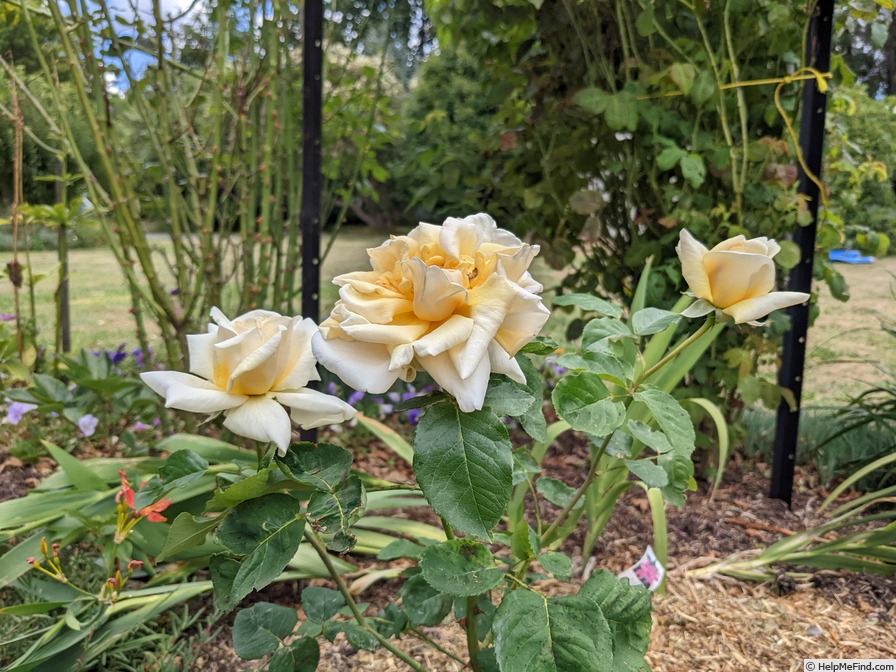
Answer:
(845, 344)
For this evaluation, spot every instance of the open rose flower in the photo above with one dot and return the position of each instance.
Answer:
(455, 300)
(736, 277)
(247, 368)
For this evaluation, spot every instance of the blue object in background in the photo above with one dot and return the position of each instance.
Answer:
(849, 257)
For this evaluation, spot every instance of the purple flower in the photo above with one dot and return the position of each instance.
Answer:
(331, 388)
(386, 408)
(6, 317)
(355, 397)
(414, 415)
(118, 355)
(140, 427)
(16, 410)
(411, 394)
(156, 422)
(394, 397)
(87, 424)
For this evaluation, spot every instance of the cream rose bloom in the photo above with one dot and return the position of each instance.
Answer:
(455, 300)
(736, 277)
(248, 367)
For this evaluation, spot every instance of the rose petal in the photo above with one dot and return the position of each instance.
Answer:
(469, 391)
(691, 254)
(363, 366)
(490, 304)
(405, 329)
(454, 331)
(189, 393)
(752, 309)
(435, 296)
(525, 320)
(299, 366)
(262, 419)
(310, 408)
(257, 370)
(737, 276)
(202, 352)
(501, 362)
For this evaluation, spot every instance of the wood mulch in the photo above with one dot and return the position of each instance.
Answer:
(714, 624)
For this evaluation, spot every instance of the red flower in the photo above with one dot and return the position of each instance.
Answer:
(153, 512)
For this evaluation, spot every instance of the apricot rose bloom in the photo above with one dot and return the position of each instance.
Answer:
(455, 300)
(247, 368)
(735, 277)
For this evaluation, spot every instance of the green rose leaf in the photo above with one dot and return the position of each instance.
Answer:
(558, 564)
(532, 419)
(693, 169)
(653, 475)
(556, 492)
(357, 637)
(258, 630)
(322, 466)
(400, 548)
(670, 416)
(321, 604)
(540, 346)
(506, 397)
(180, 469)
(303, 655)
(187, 531)
(223, 570)
(422, 603)
(267, 531)
(464, 465)
(589, 302)
(648, 436)
(247, 488)
(460, 567)
(557, 634)
(592, 99)
(605, 328)
(652, 321)
(584, 402)
(627, 610)
(337, 511)
(670, 157)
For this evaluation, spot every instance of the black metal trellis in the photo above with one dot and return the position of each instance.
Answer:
(790, 375)
(309, 216)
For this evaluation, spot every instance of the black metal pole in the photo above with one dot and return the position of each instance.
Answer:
(790, 375)
(309, 216)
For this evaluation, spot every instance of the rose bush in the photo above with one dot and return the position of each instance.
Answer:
(455, 300)
(736, 278)
(247, 368)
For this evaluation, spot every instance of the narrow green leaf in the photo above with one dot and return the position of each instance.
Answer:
(388, 436)
(187, 531)
(80, 476)
(464, 465)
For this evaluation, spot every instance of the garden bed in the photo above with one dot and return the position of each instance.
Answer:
(714, 624)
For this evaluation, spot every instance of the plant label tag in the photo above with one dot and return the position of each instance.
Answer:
(647, 572)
